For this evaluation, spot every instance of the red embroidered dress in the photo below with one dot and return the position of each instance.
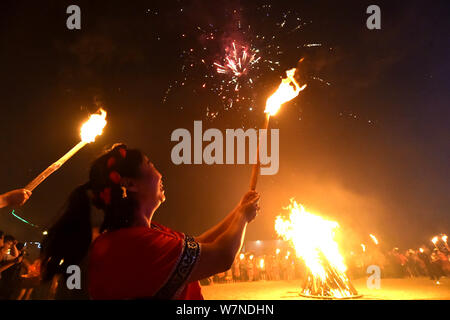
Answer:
(141, 262)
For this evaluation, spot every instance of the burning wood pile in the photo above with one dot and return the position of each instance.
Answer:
(313, 240)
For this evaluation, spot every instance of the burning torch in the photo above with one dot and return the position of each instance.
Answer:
(445, 238)
(374, 239)
(89, 131)
(288, 90)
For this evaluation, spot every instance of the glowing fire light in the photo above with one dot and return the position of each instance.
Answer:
(444, 238)
(363, 247)
(375, 240)
(277, 251)
(313, 240)
(435, 240)
(89, 131)
(242, 256)
(93, 127)
(261, 264)
(288, 90)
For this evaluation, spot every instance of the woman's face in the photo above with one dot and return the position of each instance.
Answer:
(6, 247)
(149, 186)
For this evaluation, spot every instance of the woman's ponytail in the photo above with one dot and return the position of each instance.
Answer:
(69, 238)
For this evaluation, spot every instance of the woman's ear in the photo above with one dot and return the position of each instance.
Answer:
(129, 184)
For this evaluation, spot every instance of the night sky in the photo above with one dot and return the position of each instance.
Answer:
(370, 149)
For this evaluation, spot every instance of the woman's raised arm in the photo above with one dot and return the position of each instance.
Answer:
(218, 255)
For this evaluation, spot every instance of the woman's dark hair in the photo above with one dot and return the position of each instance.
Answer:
(9, 238)
(68, 240)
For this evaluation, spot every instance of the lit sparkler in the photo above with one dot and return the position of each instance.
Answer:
(89, 131)
(288, 90)
(313, 240)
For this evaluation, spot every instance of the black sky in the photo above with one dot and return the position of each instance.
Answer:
(384, 172)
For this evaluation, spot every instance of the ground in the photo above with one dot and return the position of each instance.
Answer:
(391, 289)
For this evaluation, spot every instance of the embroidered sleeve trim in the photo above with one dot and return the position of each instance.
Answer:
(186, 262)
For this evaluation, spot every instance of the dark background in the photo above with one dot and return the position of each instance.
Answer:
(370, 151)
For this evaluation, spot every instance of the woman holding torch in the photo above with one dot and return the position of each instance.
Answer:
(134, 257)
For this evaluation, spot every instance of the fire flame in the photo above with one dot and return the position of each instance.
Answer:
(93, 127)
(313, 240)
(311, 236)
(435, 239)
(261, 264)
(375, 240)
(288, 90)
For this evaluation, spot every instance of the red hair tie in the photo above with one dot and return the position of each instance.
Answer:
(105, 195)
(115, 177)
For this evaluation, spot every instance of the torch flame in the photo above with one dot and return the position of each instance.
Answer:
(435, 239)
(444, 238)
(93, 127)
(261, 264)
(375, 240)
(288, 90)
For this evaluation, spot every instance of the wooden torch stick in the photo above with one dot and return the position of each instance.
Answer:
(55, 166)
(257, 165)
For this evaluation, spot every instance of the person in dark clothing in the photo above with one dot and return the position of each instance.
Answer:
(431, 270)
(10, 278)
